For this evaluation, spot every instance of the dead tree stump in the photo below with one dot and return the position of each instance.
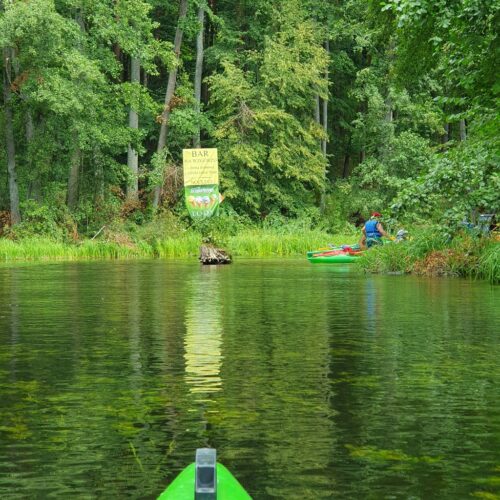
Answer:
(211, 255)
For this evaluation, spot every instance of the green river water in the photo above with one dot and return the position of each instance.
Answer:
(311, 381)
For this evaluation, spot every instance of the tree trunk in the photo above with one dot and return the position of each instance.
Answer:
(345, 169)
(363, 109)
(34, 187)
(15, 213)
(172, 78)
(317, 117)
(209, 42)
(133, 123)
(73, 179)
(463, 130)
(211, 255)
(325, 103)
(30, 128)
(325, 126)
(446, 137)
(317, 112)
(199, 70)
(74, 171)
(389, 115)
(322, 204)
(99, 177)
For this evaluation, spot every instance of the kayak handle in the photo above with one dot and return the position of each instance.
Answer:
(205, 484)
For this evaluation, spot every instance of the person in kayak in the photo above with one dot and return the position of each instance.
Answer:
(372, 232)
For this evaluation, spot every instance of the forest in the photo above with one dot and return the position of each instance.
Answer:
(321, 111)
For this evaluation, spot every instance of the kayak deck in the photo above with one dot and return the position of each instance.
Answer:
(182, 487)
(332, 259)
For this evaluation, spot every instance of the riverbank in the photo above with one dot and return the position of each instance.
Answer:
(246, 243)
(432, 253)
(428, 253)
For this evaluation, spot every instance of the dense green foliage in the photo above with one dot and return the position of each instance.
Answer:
(403, 92)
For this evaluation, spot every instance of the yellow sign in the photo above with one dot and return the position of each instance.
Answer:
(201, 167)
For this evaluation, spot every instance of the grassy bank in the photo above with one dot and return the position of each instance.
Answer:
(246, 243)
(431, 253)
(428, 253)
(46, 249)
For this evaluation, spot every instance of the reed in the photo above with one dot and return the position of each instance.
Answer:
(388, 258)
(182, 246)
(246, 243)
(40, 249)
(489, 263)
(97, 250)
(35, 249)
(270, 243)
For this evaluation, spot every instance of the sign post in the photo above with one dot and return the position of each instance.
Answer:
(201, 182)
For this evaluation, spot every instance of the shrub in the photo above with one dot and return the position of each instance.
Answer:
(39, 220)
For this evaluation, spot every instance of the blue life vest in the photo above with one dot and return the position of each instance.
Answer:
(371, 229)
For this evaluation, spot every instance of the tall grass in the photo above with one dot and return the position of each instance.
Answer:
(182, 246)
(246, 243)
(430, 253)
(41, 249)
(35, 249)
(489, 263)
(402, 257)
(388, 259)
(269, 243)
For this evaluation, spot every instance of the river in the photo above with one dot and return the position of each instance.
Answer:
(311, 381)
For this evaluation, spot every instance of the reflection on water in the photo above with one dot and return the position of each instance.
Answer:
(203, 339)
(311, 381)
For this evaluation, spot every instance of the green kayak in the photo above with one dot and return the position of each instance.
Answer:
(335, 255)
(346, 254)
(205, 480)
(332, 259)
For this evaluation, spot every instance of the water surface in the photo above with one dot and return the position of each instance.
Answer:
(311, 381)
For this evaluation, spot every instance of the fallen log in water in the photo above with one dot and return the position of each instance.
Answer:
(211, 255)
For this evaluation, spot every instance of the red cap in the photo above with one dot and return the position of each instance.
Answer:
(376, 214)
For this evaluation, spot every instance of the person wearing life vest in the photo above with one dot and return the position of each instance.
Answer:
(372, 232)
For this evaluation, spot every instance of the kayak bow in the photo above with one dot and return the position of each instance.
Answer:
(205, 480)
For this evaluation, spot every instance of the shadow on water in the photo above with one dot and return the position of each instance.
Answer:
(311, 381)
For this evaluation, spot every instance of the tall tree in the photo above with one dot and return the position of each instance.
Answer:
(325, 104)
(199, 68)
(133, 123)
(34, 187)
(264, 106)
(75, 163)
(324, 140)
(172, 79)
(15, 213)
(463, 130)
(74, 175)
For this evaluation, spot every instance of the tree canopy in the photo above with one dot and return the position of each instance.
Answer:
(334, 107)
